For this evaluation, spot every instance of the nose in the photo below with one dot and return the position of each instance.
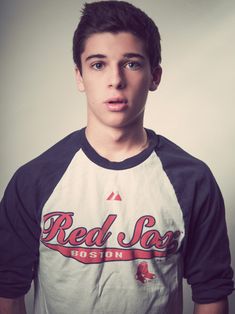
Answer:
(117, 78)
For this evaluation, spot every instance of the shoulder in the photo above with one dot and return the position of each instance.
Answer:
(33, 182)
(53, 159)
(192, 180)
(177, 162)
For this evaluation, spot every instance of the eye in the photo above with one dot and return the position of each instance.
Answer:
(133, 65)
(97, 66)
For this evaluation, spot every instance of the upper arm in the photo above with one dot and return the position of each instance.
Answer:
(19, 239)
(205, 249)
(207, 259)
(12, 306)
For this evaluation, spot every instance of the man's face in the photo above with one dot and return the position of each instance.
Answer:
(116, 78)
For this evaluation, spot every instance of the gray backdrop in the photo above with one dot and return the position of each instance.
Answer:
(194, 105)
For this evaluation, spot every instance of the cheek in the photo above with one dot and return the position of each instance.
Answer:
(140, 89)
(93, 89)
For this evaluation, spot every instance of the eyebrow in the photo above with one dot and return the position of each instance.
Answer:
(126, 55)
(134, 55)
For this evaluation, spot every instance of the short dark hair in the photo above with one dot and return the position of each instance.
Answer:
(115, 17)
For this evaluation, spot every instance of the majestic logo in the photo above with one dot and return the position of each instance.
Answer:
(90, 246)
(114, 197)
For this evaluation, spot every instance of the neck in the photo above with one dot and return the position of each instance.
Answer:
(117, 144)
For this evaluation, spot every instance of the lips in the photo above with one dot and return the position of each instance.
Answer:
(116, 104)
(116, 100)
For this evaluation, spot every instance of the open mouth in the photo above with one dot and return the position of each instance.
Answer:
(117, 101)
(116, 104)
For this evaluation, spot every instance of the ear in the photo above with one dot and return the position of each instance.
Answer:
(79, 80)
(156, 78)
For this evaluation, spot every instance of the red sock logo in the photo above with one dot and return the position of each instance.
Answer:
(143, 273)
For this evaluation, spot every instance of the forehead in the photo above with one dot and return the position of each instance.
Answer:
(113, 44)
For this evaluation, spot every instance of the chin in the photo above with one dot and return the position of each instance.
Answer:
(121, 124)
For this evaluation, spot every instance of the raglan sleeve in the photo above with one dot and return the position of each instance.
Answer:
(19, 236)
(207, 259)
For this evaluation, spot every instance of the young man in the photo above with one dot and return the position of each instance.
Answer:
(111, 218)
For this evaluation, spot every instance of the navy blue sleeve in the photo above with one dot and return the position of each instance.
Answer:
(206, 246)
(19, 239)
(207, 255)
(20, 215)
